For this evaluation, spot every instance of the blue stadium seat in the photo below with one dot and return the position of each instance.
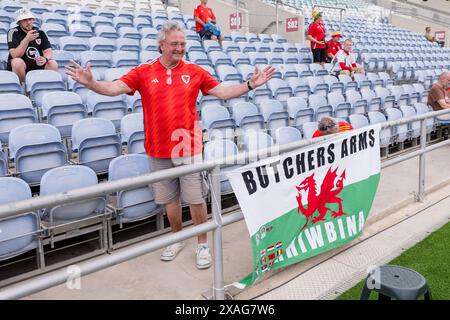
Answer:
(359, 105)
(385, 134)
(128, 44)
(422, 108)
(280, 89)
(247, 116)
(120, 22)
(413, 127)
(308, 129)
(111, 108)
(97, 21)
(358, 121)
(39, 82)
(373, 102)
(9, 82)
(74, 45)
(62, 109)
(65, 179)
(341, 108)
(387, 99)
(106, 32)
(285, 135)
(320, 105)
(36, 148)
(400, 132)
(299, 111)
(129, 32)
(274, 114)
(149, 33)
(135, 204)
(81, 31)
(134, 102)
(96, 142)
(125, 59)
(148, 56)
(15, 110)
(132, 132)
(220, 149)
(217, 122)
(20, 233)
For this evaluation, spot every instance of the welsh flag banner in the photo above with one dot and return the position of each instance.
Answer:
(306, 202)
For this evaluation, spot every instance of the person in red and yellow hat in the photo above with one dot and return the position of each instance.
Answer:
(316, 34)
(333, 45)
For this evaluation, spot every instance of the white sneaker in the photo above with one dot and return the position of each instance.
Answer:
(203, 256)
(171, 251)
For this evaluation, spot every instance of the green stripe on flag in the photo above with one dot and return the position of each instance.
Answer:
(283, 242)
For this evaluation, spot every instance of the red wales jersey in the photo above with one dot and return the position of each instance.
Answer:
(169, 106)
(203, 13)
(343, 126)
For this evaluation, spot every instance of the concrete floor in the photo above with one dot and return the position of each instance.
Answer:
(149, 278)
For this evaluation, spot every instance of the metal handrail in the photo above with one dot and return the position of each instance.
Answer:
(215, 225)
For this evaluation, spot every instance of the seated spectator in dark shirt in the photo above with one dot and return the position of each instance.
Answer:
(29, 48)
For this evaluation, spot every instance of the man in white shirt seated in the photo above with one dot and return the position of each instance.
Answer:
(344, 61)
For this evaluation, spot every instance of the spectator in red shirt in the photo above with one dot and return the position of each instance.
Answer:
(345, 61)
(169, 88)
(328, 125)
(333, 45)
(203, 15)
(316, 34)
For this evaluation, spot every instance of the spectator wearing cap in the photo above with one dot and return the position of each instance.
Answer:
(333, 45)
(29, 47)
(328, 125)
(316, 34)
(205, 22)
(344, 61)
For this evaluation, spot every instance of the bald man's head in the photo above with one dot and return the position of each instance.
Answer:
(444, 78)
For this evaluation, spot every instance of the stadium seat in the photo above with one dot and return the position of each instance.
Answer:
(125, 59)
(135, 204)
(132, 132)
(256, 141)
(216, 120)
(128, 44)
(9, 83)
(387, 99)
(96, 142)
(280, 89)
(102, 44)
(308, 129)
(111, 108)
(79, 89)
(373, 102)
(220, 149)
(358, 121)
(62, 109)
(385, 134)
(320, 105)
(422, 108)
(413, 127)
(359, 105)
(20, 233)
(274, 115)
(285, 135)
(39, 82)
(341, 108)
(68, 178)
(247, 116)
(299, 111)
(36, 148)
(399, 132)
(148, 56)
(15, 110)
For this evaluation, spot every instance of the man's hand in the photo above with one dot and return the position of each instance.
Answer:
(261, 77)
(31, 35)
(40, 61)
(77, 73)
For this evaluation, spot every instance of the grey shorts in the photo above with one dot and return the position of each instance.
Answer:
(193, 188)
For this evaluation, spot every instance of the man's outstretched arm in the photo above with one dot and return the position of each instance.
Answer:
(259, 78)
(85, 77)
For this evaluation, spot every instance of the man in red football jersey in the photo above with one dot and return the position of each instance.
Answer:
(169, 88)
(204, 15)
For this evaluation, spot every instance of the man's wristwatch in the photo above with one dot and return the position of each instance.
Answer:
(249, 86)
